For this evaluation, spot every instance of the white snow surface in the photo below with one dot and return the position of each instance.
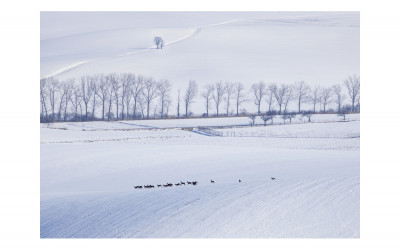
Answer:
(88, 179)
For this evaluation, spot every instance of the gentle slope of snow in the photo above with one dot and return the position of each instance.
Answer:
(88, 179)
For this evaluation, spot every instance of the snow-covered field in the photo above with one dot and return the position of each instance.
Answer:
(88, 179)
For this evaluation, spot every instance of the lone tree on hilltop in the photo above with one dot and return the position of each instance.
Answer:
(159, 42)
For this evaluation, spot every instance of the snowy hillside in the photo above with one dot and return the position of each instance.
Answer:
(283, 47)
(88, 178)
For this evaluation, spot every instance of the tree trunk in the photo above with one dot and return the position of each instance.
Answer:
(134, 109)
(299, 106)
(86, 111)
(102, 115)
(66, 108)
(94, 106)
(117, 103)
(148, 109)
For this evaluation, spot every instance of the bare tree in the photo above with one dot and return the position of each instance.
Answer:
(141, 101)
(207, 95)
(230, 90)
(128, 95)
(280, 94)
(167, 104)
(178, 103)
(301, 92)
(136, 91)
(43, 99)
(315, 95)
(307, 114)
(111, 80)
(271, 114)
(285, 117)
(344, 111)
(326, 97)
(87, 92)
(290, 116)
(76, 101)
(53, 88)
(240, 97)
(164, 87)
(63, 100)
(68, 88)
(218, 94)
(102, 92)
(115, 85)
(150, 92)
(252, 119)
(94, 85)
(191, 93)
(288, 97)
(339, 98)
(159, 42)
(126, 92)
(270, 95)
(258, 90)
(266, 118)
(353, 86)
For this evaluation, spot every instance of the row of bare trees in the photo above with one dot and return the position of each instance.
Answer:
(129, 96)
(301, 93)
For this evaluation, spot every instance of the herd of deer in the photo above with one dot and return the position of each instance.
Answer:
(194, 183)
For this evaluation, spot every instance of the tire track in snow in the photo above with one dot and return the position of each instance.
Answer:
(65, 69)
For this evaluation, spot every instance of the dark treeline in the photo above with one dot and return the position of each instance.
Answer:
(128, 96)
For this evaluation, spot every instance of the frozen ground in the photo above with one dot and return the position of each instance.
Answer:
(88, 179)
